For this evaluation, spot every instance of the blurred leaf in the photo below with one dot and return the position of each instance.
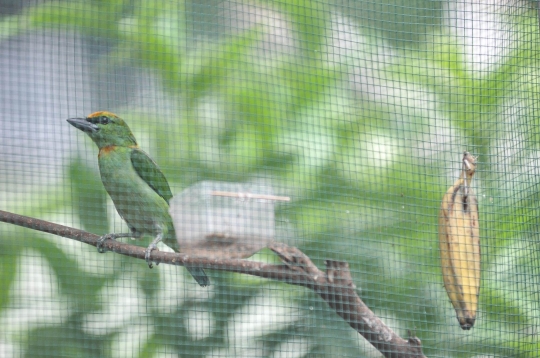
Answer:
(9, 254)
(84, 16)
(89, 197)
(402, 23)
(12, 26)
(54, 341)
(311, 21)
(148, 280)
(81, 286)
(216, 62)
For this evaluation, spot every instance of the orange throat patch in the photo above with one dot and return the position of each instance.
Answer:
(106, 150)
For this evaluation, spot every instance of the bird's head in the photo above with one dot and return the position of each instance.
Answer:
(105, 129)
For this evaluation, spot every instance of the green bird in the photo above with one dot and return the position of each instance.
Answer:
(135, 183)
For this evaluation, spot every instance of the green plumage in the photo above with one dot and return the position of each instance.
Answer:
(135, 183)
(151, 174)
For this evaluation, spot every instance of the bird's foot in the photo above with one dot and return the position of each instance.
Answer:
(147, 254)
(102, 240)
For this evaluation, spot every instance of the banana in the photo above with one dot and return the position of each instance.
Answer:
(459, 240)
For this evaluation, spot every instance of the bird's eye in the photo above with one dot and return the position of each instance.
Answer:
(104, 120)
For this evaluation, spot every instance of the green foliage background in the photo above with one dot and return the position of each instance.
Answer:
(358, 111)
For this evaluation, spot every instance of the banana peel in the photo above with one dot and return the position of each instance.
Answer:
(459, 240)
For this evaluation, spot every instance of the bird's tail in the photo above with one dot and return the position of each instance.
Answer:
(199, 275)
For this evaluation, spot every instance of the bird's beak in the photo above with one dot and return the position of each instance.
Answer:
(83, 124)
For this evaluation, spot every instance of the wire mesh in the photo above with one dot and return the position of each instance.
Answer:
(352, 115)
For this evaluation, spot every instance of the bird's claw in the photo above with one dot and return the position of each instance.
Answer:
(147, 254)
(101, 242)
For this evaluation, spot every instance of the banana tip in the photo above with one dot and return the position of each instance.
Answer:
(466, 323)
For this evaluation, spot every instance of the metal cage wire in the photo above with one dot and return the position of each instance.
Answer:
(309, 144)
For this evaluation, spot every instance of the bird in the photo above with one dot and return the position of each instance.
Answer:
(137, 186)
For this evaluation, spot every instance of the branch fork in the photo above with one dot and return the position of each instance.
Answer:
(335, 285)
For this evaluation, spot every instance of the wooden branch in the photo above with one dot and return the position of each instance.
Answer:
(335, 286)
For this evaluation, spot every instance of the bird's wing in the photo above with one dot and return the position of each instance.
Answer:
(148, 170)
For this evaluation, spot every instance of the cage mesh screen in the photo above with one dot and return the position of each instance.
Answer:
(335, 128)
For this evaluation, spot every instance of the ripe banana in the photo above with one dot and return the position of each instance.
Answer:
(459, 240)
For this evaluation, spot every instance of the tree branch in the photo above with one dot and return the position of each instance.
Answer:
(335, 286)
